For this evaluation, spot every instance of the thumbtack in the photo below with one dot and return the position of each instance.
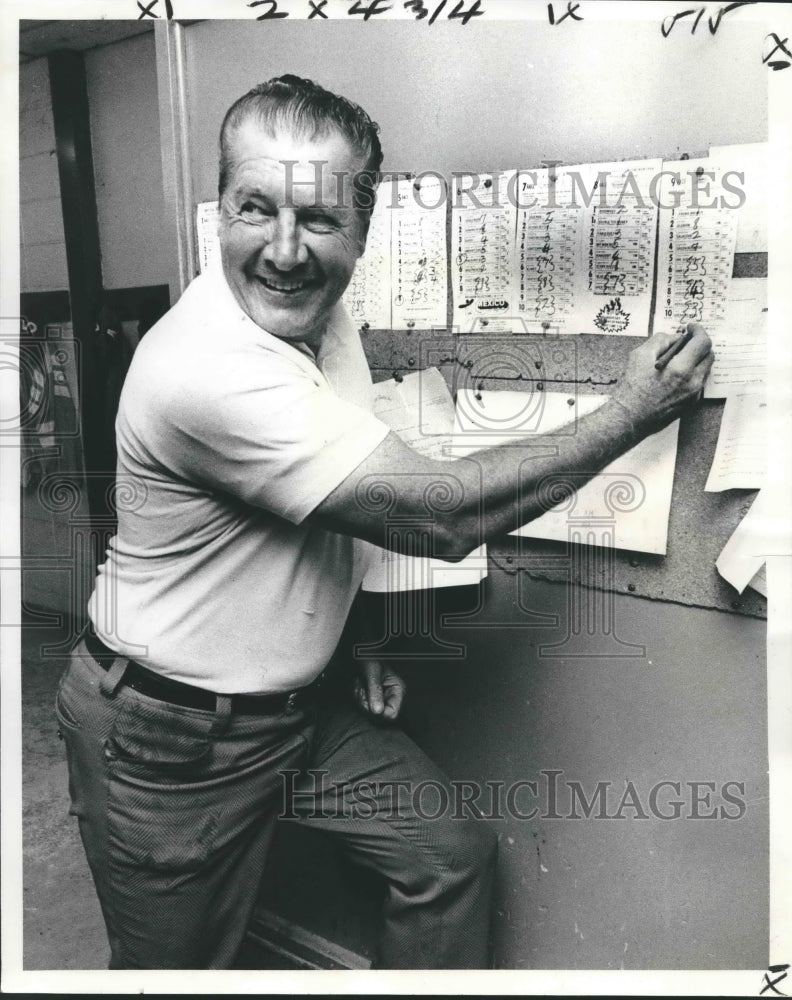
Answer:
(538, 364)
(540, 386)
(410, 323)
(631, 587)
(410, 362)
(398, 377)
(488, 183)
(699, 171)
(485, 322)
(570, 402)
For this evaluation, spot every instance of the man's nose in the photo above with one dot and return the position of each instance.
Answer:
(285, 247)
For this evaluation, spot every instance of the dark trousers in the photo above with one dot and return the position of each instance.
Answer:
(177, 808)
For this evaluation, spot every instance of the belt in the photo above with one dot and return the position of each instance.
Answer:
(154, 685)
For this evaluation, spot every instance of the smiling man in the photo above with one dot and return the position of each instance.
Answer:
(194, 698)
(290, 242)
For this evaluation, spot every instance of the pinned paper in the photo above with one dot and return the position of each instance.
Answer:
(740, 341)
(626, 506)
(483, 220)
(207, 217)
(401, 281)
(695, 258)
(368, 295)
(740, 455)
(745, 169)
(742, 561)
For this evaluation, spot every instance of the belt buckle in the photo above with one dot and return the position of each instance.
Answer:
(291, 701)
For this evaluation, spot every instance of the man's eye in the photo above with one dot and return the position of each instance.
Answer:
(320, 223)
(253, 211)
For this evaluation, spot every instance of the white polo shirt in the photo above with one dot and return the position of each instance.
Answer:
(228, 438)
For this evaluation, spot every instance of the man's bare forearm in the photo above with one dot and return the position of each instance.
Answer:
(507, 486)
(398, 498)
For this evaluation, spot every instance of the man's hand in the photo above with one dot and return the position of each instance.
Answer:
(655, 398)
(379, 690)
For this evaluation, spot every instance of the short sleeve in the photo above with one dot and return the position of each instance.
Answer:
(270, 434)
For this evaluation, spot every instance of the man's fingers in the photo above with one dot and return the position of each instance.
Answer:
(393, 700)
(697, 348)
(706, 362)
(394, 695)
(376, 701)
(704, 366)
(379, 691)
(660, 342)
(360, 695)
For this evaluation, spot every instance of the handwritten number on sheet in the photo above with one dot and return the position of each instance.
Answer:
(271, 12)
(368, 10)
(458, 12)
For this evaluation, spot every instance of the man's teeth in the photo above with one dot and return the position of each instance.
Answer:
(283, 286)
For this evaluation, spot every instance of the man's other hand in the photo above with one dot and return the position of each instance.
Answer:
(379, 690)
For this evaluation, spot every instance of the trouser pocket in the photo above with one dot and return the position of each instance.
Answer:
(159, 760)
(177, 793)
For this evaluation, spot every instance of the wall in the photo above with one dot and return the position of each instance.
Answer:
(122, 95)
(587, 93)
(630, 892)
(43, 248)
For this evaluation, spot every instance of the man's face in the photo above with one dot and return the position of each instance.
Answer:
(289, 232)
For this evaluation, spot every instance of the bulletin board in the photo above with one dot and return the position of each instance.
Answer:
(503, 95)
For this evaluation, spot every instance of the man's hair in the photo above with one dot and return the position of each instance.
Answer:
(301, 107)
